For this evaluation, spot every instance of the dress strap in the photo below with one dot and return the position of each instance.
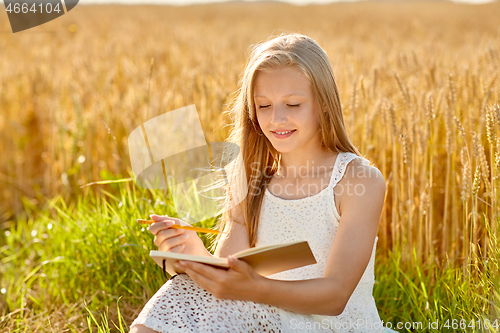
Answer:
(341, 165)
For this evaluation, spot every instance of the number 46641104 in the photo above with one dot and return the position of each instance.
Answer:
(24, 8)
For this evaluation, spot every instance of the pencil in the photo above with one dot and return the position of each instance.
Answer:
(176, 226)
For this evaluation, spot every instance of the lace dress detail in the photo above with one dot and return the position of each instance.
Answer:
(180, 305)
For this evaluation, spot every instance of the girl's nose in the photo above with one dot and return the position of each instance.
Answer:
(278, 115)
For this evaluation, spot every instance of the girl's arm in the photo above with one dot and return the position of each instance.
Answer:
(235, 238)
(348, 259)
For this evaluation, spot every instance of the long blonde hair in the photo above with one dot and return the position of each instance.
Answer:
(286, 50)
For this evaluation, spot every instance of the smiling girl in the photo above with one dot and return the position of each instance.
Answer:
(305, 180)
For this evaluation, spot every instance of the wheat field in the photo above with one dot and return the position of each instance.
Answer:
(418, 82)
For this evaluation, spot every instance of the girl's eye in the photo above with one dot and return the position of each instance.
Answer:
(266, 106)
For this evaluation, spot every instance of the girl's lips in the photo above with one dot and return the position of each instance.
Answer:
(283, 136)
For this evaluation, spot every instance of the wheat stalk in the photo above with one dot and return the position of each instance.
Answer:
(490, 125)
(480, 154)
(485, 170)
(392, 117)
(460, 128)
(447, 127)
(475, 190)
(404, 92)
(466, 174)
(406, 149)
(453, 92)
(374, 81)
(496, 108)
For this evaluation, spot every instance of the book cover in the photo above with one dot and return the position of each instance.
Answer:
(265, 260)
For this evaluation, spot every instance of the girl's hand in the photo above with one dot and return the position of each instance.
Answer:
(239, 282)
(175, 240)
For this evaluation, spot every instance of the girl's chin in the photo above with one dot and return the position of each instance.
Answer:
(283, 149)
(283, 146)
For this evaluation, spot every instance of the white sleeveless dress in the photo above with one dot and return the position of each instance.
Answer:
(180, 305)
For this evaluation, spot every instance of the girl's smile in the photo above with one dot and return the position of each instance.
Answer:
(282, 134)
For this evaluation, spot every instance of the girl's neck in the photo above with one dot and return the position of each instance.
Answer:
(310, 164)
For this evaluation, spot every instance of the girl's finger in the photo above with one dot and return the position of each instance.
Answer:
(158, 226)
(201, 280)
(177, 249)
(163, 235)
(172, 242)
(156, 217)
(159, 218)
(204, 270)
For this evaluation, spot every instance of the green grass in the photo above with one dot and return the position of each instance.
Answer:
(92, 252)
(413, 293)
(85, 267)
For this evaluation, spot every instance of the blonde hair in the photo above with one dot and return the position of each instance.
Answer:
(283, 51)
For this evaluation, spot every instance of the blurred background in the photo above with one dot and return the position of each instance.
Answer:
(420, 91)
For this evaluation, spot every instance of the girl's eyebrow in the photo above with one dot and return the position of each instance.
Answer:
(292, 94)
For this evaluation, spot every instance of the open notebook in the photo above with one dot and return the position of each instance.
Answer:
(265, 260)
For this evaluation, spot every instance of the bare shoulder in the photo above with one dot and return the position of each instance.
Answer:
(358, 173)
(361, 184)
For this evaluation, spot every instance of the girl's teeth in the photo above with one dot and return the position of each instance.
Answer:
(283, 132)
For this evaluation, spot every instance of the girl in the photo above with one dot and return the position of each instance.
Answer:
(305, 180)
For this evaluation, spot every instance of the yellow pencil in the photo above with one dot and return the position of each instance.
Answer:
(176, 226)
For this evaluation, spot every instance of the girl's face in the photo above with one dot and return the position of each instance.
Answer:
(286, 109)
